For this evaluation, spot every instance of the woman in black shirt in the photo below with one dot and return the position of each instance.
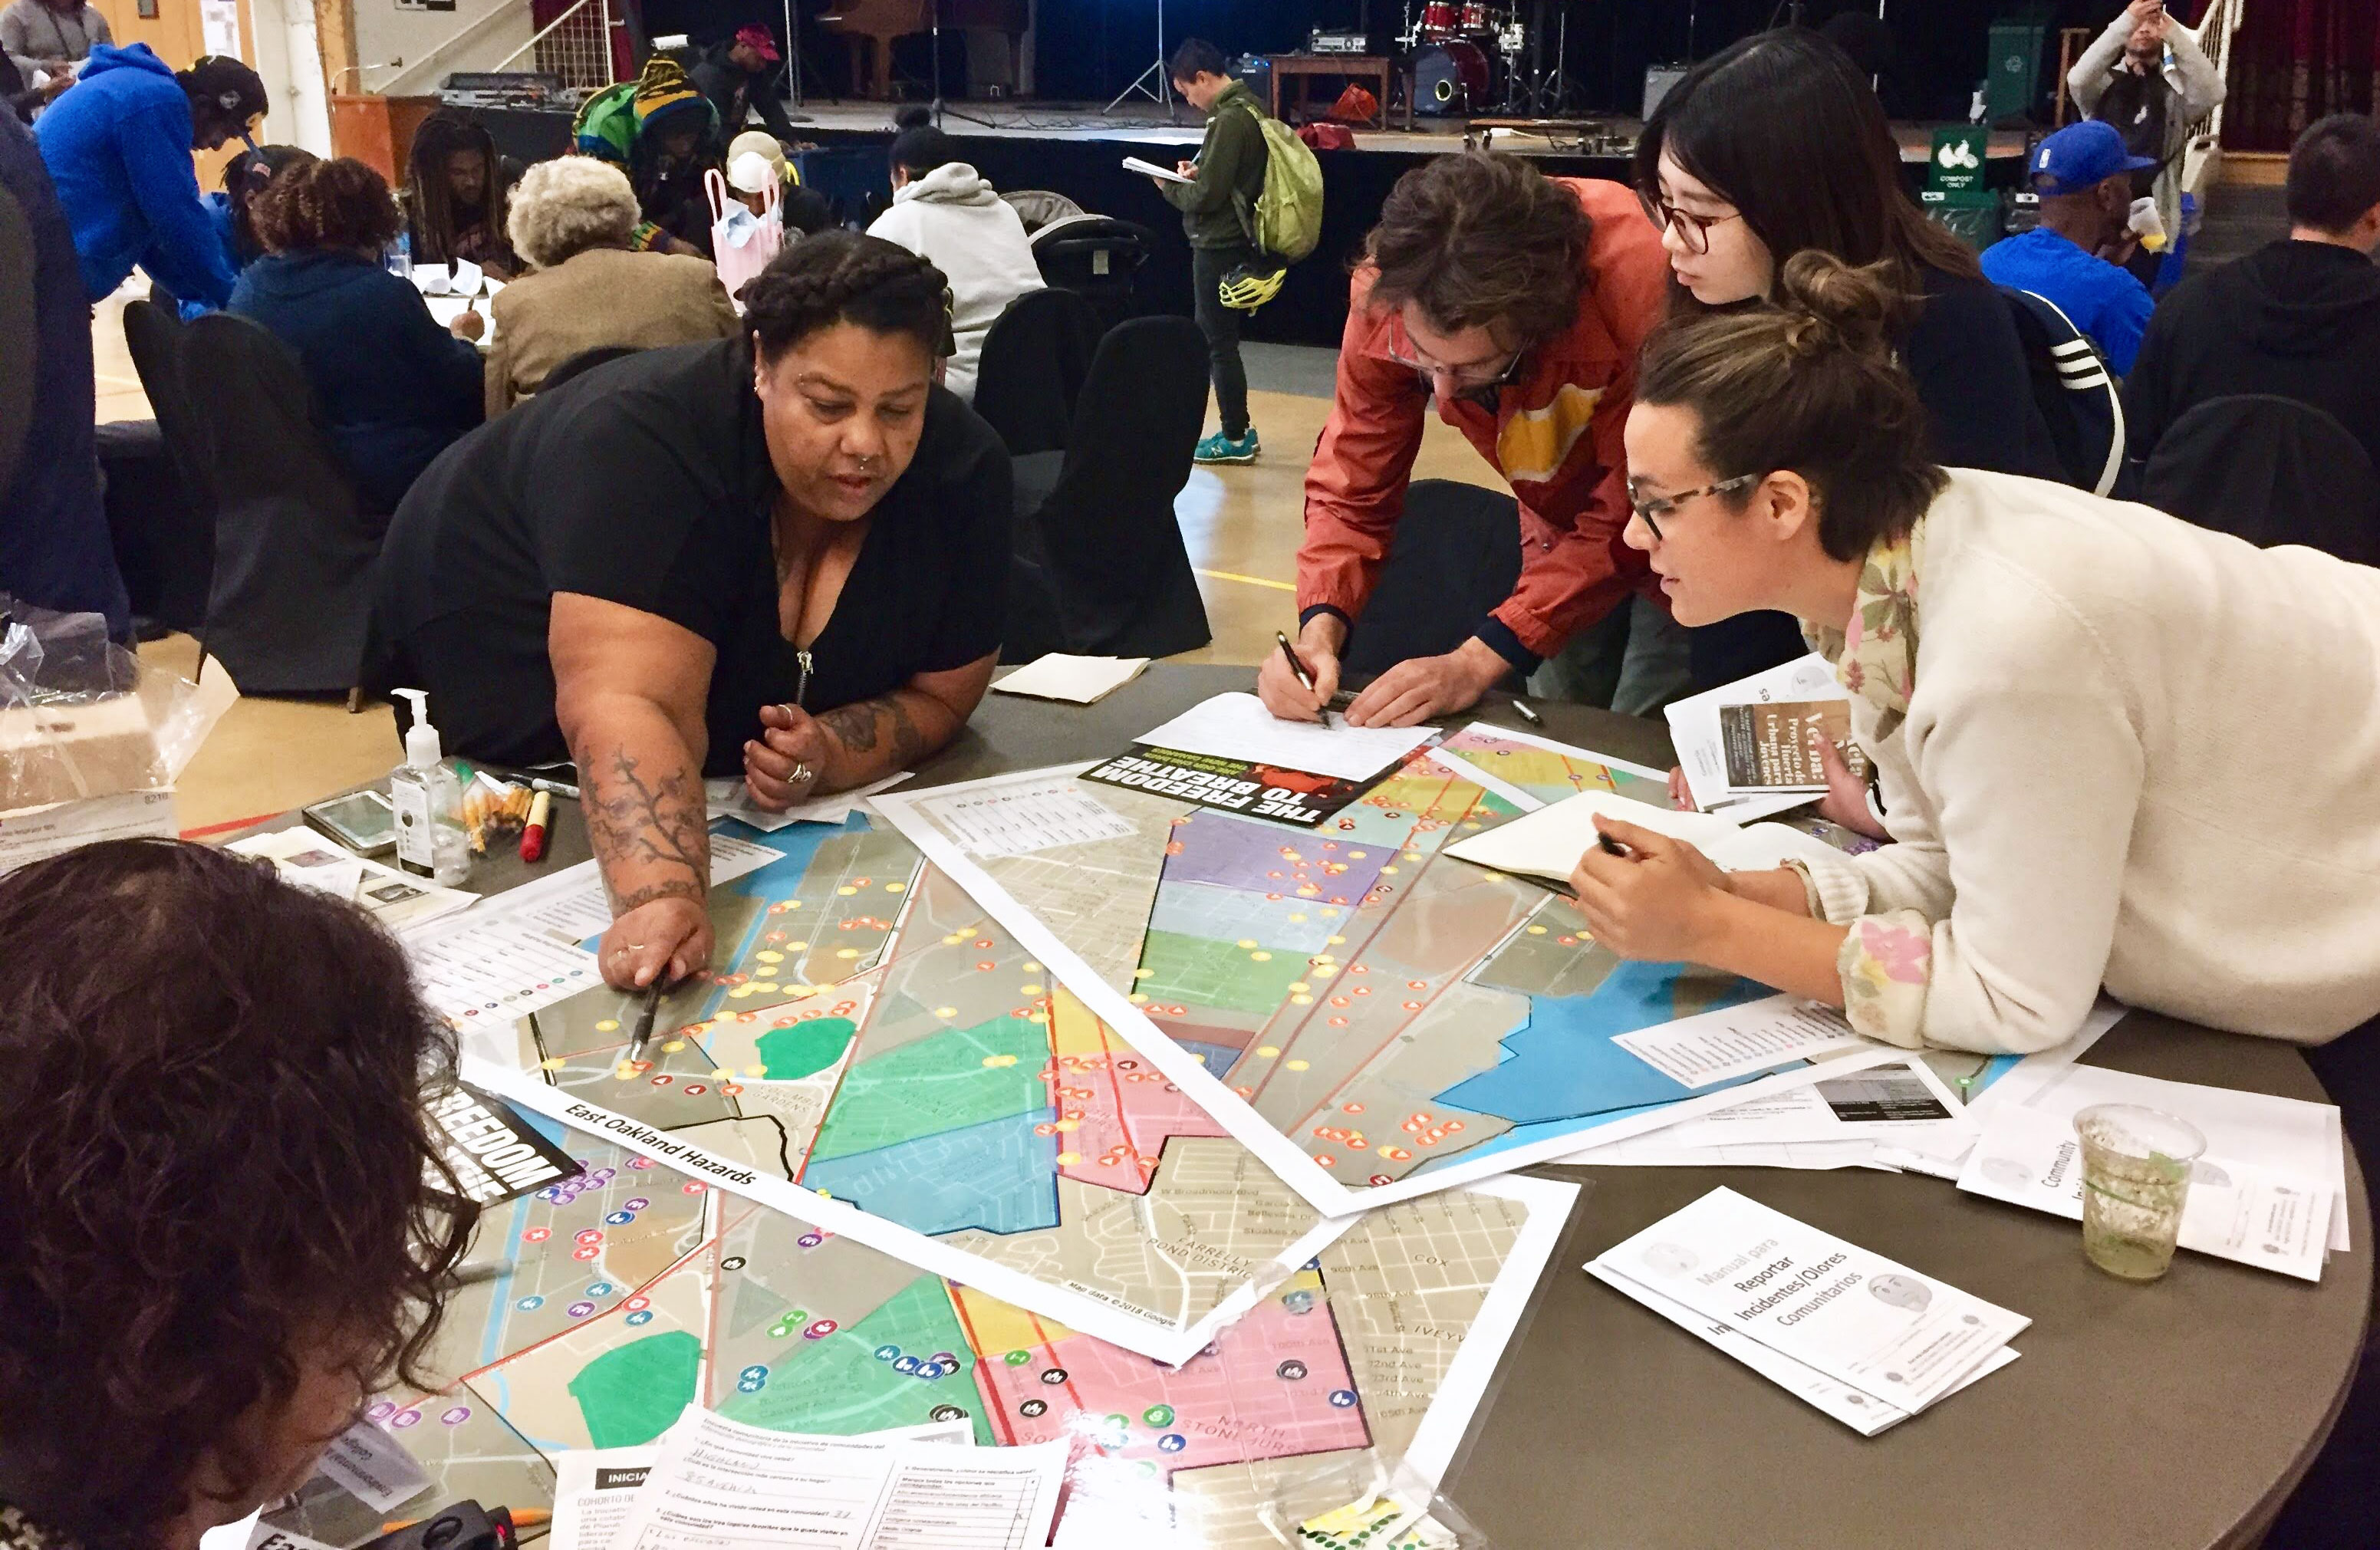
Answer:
(780, 557)
(1777, 144)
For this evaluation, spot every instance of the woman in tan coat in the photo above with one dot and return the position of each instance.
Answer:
(571, 220)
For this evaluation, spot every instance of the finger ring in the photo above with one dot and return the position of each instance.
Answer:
(800, 772)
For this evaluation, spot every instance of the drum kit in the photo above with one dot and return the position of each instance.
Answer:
(1466, 57)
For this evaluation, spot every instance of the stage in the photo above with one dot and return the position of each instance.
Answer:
(1078, 150)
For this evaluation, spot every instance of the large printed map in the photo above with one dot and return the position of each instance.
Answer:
(1380, 1018)
(634, 1290)
(868, 1041)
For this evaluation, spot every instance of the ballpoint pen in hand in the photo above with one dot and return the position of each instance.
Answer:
(1296, 665)
(644, 1034)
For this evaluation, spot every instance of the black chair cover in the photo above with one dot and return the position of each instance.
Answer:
(1099, 568)
(1034, 358)
(294, 552)
(1456, 554)
(1095, 256)
(2271, 471)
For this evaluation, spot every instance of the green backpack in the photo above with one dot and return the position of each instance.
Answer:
(1287, 220)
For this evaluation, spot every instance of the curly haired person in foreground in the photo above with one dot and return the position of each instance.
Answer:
(222, 1204)
(782, 557)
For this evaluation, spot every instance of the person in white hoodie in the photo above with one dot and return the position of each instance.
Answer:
(945, 211)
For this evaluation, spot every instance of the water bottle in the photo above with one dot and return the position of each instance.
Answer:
(398, 255)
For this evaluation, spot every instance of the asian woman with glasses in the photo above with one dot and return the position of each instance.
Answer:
(1776, 146)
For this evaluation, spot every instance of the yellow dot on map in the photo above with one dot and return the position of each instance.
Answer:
(557, 1062)
(609, 1026)
(1390, 870)
(846, 890)
(1267, 1051)
(1038, 1016)
(1412, 855)
(1300, 988)
(743, 990)
(1357, 856)
(1471, 825)
(792, 903)
(1136, 998)
(1338, 941)
(1301, 1000)
(1031, 967)
(1260, 957)
(721, 1073)
(994, 1062)
(1537, 930)
(798, 947)
(622, 1073)
(846, 952)
(1388, 1151)
(1028, 989)
(1248, 941)
(954, 939)
(1069, 1126)
(1298, 920)
(770, 957)
(764, 985)
(1296, 1065)
(1068, 1159)
(672, 1046)
(1330, 915)
(946, 1012)
(752, 1070)
(1142, 974)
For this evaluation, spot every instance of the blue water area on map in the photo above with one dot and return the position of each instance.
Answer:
(998, 1176)
(1562, 1064)
(1209, 910)
(1218, 1058)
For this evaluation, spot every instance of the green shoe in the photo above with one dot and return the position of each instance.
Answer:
(1219, 448)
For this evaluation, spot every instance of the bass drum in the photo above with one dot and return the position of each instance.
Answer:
(1451, 79)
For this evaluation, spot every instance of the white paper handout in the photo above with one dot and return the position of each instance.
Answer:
(719, 1484)
(1862, 1413)
(1150, 169)
(1548, 843)
(1702, 752)
(2268, 1192)
(593, 1491)
(1081, 680)
(1021, 819)
(728, 799)
(373, 1467)
(1738, 1041)
(1237, 726)
(1856, 1317)
(396, 900)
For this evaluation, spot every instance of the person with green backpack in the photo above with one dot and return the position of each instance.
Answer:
(1253, 206)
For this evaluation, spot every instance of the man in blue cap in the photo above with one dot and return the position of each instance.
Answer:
(2074, 259)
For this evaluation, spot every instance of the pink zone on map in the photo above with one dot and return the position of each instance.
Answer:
(1123, 1109)
(1274, 1385)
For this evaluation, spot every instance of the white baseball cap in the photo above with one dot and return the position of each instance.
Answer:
(751, 172)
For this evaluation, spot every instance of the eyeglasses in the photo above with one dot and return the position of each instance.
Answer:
(1692, 230)
(1464, 377)
(1651, 512)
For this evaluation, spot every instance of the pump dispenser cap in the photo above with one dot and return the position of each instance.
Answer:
(421, 745)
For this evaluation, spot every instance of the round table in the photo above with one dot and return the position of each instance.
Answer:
(2171, 1415)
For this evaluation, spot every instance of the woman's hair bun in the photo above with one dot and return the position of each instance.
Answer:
(913, 119)
(1838, 305)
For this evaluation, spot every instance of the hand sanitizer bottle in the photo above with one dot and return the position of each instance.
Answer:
(428, 801)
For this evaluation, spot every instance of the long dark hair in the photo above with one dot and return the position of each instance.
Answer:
(431, 201)
(1783, 126)
(216, 1171)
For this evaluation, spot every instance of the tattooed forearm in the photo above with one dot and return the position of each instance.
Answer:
(638, 824)
(854, 726)
(863, 727)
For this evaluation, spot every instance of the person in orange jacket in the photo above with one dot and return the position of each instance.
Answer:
(1517, 302)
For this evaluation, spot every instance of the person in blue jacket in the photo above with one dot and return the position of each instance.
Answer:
(54, 550)
(118, 148)
(393, 388)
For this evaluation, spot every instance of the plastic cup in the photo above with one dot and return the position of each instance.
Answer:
(2136, 1180)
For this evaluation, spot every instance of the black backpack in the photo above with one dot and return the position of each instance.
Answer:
(2075, 391)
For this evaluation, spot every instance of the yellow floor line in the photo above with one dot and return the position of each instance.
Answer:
(1250, 580)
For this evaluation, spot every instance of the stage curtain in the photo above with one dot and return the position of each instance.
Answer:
(2294, 61)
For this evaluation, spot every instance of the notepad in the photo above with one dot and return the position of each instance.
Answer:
(1239, 727)
(1079, 680)
(1547, 844)
(1150, 169)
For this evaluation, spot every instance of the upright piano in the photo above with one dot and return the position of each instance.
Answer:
(871, 25)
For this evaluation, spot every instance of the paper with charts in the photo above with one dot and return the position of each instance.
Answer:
(1373, 1019)
(635, 1290)
(874, 1055)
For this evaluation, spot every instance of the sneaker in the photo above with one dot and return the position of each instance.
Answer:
(1219, 448)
